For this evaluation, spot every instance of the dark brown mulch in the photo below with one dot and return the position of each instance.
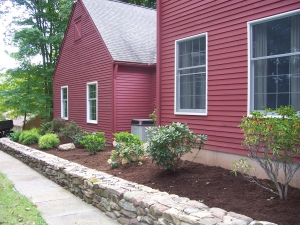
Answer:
(215, 186)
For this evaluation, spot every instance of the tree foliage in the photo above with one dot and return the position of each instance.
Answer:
(146, 3)
(39, 33)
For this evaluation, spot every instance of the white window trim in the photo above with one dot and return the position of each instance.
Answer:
(250, 101)
(206, 79)
(61, 103)
(87, 103)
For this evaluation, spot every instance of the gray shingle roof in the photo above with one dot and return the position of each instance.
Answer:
(129, 31)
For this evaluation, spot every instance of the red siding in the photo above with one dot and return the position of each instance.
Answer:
(81, 61)
(226, 24)
(135, 93)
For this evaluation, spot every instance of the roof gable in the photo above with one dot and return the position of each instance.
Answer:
(128, 31)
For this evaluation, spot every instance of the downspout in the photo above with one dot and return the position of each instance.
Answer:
(158, 62)
(114, 98)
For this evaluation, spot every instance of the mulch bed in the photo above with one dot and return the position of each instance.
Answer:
(214, 186)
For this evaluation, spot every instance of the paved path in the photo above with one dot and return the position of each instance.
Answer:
(57, 206)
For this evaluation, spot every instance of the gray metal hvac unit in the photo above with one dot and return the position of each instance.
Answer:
(138, 127)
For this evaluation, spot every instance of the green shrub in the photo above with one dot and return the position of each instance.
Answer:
(46, 127)
(94, 142)
(128, 148)
(73, 131)
(48, 141)
(28, 137)
(274, 143)
(15, 136)
(167, 144)
(58, 124)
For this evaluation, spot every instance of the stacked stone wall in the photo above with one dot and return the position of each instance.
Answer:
(124, 201)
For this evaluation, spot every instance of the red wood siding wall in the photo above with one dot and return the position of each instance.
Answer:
(82, 61)
(135, 93)
(226, 24)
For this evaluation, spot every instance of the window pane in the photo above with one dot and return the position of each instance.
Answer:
(65, 93)
(65, 108)
(93, 109)
(92, 91)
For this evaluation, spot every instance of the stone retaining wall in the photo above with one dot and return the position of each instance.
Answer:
(124, 201)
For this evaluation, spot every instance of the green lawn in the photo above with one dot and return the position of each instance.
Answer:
(15, 208)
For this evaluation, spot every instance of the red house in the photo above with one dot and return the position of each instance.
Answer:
(219, 60)
(105, 74)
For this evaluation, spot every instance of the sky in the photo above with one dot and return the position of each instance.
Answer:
(6, 62)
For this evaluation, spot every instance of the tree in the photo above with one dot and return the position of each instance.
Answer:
(274, 143)
(146, 3)
(39, 34)
(24, 92)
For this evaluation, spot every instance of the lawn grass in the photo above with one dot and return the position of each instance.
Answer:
(15, 208)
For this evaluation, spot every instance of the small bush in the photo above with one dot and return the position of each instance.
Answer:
(46, 127)
(73, 131)
(128, 149)
(58, 124)
(94, 142)
(167, 144)
(28, 137)
(15, 136)
(48, 141)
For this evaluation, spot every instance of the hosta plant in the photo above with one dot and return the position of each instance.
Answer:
(167, 144)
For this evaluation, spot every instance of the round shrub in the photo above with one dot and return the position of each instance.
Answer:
(94, 142)
(28, 137)
(48, 141)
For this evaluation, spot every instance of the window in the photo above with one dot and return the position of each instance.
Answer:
(77, 29)
(64, 102)
(92, 102)
(191, 75)
(274, 62)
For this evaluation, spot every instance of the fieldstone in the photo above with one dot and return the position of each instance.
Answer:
(240, 216)
(202, 214)
(141, 211)
(238, 222)
(124, 221)
(77, 181)
(196, 204)
(117, 213)
(190, 210)
(89, 193)
(157, 209)
(209, 221)
(111, 215)
(114, 205)
(127, 206)
(129, 195)
(128, 214)
(66, 147)
(189, 219)
(101, 192)
(217, 212)
(172, 215)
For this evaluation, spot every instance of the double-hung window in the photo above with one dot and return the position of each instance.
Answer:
(92, 102)
(191, 75)
(274, 62)
(64, 102)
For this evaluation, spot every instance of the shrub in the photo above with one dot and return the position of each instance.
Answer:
(167, 144)
(48, 141)
(274, 143)
(128, 148)
(28, 137)
(58, 124)
(73, 131)
(94, 142)
(15, 136)
(46, 127)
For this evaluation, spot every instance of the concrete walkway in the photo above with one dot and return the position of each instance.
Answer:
(57, 206)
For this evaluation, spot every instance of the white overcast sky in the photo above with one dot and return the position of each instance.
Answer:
(5, 60)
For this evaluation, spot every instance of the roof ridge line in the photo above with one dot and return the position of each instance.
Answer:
(127, 3)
